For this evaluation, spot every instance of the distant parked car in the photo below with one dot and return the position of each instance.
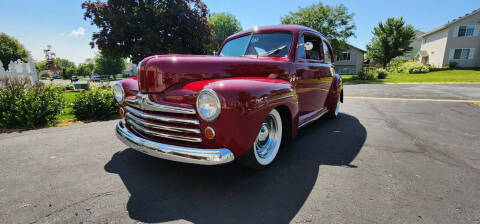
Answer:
(95, 78)
(56, 76)
(119, 76)
(74, 79)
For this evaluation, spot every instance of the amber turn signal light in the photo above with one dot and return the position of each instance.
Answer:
(121, 111)
(209, 132)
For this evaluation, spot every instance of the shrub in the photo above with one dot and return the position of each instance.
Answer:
(96, 85)
(452, 64)
(413, 67)
(69, 87)
(25, 106)
(395, 65)
(381, 73)
(366, 75)
(95, 104)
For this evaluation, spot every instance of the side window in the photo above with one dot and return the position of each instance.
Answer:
(326, 52)
(301, 48)
(316, 52)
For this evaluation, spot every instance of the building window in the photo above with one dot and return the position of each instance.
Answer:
(344, 57)
(466, 31)
(461, 53)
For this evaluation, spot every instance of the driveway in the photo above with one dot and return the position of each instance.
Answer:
(382, 161)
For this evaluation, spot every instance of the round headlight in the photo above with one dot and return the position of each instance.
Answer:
(118, 92)
(208, 105)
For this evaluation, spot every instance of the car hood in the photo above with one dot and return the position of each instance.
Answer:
(159, 72)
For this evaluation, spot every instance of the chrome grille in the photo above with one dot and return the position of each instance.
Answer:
(162, 121)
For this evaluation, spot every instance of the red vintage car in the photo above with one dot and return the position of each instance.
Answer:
(240, 104)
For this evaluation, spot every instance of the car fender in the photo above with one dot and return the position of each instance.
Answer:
(246, 103)
(334, 93)
(130, 86)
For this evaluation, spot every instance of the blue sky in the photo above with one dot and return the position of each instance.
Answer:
(60, 23)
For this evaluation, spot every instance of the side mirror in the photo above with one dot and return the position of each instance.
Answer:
(308, 46)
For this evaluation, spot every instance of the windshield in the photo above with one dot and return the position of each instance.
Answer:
(260, 44)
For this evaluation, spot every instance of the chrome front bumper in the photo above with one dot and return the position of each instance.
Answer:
(173, 152)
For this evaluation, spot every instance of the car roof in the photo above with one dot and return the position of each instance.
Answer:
(278, 28)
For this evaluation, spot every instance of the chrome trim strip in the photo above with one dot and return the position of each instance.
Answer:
(161, 127)
(142, 101)
(162, 135)
(173, 152)
(313, 119)
(284, 97)
(161, 118)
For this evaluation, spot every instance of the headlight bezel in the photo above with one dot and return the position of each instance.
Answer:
(218, 105)
(119, 86)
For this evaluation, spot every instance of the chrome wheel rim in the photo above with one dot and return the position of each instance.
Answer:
(269, 138)
(337, 109)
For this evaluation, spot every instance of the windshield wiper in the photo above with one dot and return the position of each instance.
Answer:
(274, 51)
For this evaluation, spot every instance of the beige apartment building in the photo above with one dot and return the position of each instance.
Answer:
(457, 41)
(350, 61)
(415, 45)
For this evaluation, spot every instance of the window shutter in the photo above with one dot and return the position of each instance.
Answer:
(471, 53)
(450, 55)
(455, 32)
(476, 30)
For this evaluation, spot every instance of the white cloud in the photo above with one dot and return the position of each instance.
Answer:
(80, 31)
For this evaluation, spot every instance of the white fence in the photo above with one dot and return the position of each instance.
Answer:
(19, 68)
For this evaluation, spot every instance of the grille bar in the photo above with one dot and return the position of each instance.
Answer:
(161, 127)
(143, 102)
(162, 135)
(141, 114)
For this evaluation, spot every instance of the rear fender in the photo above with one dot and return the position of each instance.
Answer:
(334, 93)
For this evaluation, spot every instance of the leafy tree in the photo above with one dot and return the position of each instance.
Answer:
(63, 64)
(90, 62)
(223, 25)
(41, 66)
(140, 28)
(391, 39)
(334, 22)
(11, 50)
(69, 72)
(84, 70)
(107, 66)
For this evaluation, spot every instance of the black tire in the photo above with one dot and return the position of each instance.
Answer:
(333, 114)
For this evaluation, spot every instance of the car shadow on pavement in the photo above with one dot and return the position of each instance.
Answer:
(165, 191)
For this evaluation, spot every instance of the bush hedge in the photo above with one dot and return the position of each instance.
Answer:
(23, 105)
(413, 67)
(381, 73)
(95, 104)
(395, 64)
(363, 75)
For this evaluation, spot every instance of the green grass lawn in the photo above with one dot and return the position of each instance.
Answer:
(458, 75)
(67, 111)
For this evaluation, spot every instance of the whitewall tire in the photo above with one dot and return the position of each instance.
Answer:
(267, 144)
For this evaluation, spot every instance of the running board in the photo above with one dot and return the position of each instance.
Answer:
(313, 119)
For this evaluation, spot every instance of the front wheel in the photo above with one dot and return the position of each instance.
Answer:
(267, 144)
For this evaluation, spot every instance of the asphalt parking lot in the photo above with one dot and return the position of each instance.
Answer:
(389, 160)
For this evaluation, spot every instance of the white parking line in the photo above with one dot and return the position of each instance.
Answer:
(411, 99)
